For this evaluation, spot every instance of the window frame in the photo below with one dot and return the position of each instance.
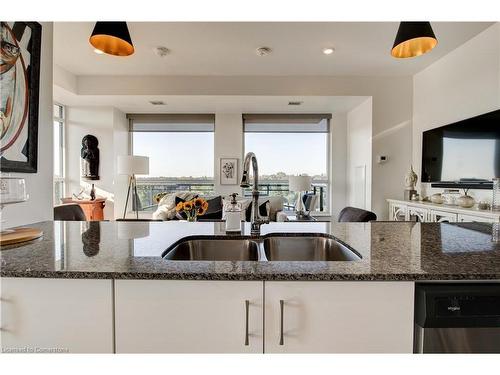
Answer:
(61, 177)
(329, 172)
(170, 118)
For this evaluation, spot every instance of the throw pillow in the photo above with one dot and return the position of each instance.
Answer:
(214, 211)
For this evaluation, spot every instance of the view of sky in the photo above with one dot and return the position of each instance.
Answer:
(192, 154)
(291, 153)
(176, 154)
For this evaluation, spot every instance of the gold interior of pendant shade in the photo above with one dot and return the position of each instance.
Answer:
(111, 45)
(414, 47)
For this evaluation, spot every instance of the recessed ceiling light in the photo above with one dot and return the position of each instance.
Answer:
(98, 51)
(263, 51)
(295, 103)
(328, 51)
(157, 102)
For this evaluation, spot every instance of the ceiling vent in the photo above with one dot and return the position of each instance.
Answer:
(161, 51)
(295, 103)
(263, 51)
(157, 102)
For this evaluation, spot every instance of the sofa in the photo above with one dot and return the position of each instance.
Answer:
(217, 205)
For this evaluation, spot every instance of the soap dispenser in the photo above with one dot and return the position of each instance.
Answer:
(233, 215)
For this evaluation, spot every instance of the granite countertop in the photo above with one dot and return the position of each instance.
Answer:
(132, 250)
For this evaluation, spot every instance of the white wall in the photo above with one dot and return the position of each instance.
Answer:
(110, 127)
(338, 152)
(121, 146)
(228, 143)
(39, 185)
(462, 84)
(359, 156)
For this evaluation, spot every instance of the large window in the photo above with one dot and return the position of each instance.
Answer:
(290, 145)
(58, 123)
(180, 150)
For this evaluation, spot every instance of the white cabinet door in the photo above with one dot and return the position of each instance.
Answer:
(56, 315)
(437, 216)
(418, 214)
(478, 219)
(339, 317)
(170, 316)
(398, 212)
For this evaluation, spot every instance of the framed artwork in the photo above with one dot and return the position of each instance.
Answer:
(228, 171)
(20, 44)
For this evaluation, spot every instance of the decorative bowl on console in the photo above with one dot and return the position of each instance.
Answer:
(466, 201)
(437, 198)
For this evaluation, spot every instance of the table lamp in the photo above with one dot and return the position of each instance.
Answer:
(132, 165)
(299, 184)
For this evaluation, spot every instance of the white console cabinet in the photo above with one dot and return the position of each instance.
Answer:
(400, 210)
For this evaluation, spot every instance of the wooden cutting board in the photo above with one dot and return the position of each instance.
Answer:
(13, 236)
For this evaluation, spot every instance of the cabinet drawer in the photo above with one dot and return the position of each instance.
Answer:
(478, 219)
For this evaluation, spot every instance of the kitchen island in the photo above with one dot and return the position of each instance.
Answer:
(104, 287)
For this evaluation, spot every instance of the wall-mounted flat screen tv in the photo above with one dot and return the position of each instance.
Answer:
(465, 153)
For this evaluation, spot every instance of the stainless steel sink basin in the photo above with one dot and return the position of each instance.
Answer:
(214, 249)
(306, 248)
(273, 247)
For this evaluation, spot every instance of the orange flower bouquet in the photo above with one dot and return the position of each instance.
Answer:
(193, 208)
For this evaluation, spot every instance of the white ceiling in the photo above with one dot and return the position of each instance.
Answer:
(212, 103)
(204, 48)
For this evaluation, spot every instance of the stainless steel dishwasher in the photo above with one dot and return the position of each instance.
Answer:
(457, 318)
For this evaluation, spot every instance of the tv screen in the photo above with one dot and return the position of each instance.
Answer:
(465, 152)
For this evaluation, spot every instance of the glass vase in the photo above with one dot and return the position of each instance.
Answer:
(191, 216)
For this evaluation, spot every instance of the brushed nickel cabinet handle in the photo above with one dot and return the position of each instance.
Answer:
(247, 306)
(282, 307)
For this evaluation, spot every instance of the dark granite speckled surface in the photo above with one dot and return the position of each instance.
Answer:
(127, 250)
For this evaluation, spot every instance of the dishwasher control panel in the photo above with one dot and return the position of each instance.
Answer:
(457, 305)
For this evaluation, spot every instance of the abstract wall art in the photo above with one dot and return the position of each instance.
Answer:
(20, 44)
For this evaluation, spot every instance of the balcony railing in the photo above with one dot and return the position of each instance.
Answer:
(280, 188)
(148, 188)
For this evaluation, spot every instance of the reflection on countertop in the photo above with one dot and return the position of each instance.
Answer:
(389, 250)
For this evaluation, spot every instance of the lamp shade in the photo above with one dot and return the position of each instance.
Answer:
(112, 38)
(132, 164)
(413, 39)
(299, 183)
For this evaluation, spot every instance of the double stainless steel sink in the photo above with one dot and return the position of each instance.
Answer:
(269, 248)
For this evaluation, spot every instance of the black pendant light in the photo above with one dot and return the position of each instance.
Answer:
(413, 39)
(112, 38)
